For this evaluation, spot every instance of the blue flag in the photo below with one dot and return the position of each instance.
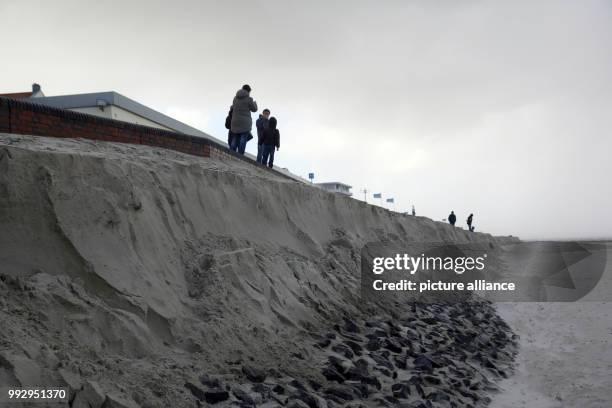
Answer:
(377, 195)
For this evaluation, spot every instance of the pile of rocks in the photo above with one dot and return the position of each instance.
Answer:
(437, 355)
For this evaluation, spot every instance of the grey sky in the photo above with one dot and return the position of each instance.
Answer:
(498, 108)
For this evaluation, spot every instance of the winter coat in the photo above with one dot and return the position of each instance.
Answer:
(271, 137)
(242, 107)
(261, 124)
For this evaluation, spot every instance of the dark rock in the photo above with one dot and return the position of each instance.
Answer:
(250, 398)
(324, 343)
(315, 385)
(90, 396)
(338, 363)
(362, 364)
(423, 363)
(380, 333)
(429, 320)
(309, 399)
(438, 396)
(297, 384)
(262, 388)
(355, 373)
(392, 399)
(343, 349)
(297, 404)
(356, 347)
(374, 344)
(211, 382)
(372, 380)
(360, 389)
(400, 362)
(384, 371)
(298, 355)
(196, 391)
(214, 396)
(339, 393)
(392, 346)
(254, 374)
(382, 361)
(432, 380)
(350, 326)
(332, 374)
(400, 390)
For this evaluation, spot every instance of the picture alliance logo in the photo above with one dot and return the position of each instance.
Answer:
(412, 264)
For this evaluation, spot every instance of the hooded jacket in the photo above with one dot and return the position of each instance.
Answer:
(261, 124)
(242, 107)
(271, 135)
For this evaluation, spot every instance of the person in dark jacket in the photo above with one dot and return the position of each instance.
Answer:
(261, 124)
(228, 126)
(452, 218)
(241, 122)
(469, 222)
(270, 140)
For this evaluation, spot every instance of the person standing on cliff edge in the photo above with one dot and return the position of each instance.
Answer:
(469, 222)
(241, 122)
(270, 140)
(452, 218)
(261, 124)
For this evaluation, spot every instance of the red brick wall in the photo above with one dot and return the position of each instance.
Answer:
(29, 118)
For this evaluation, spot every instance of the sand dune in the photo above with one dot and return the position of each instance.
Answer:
(136, 269)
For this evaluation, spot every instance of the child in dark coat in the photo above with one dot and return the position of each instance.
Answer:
(270, 140)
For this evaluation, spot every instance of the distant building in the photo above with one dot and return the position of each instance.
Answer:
(111, 105)
(336, 187)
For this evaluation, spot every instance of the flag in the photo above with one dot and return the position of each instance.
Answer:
(377, 195)
(390, 200)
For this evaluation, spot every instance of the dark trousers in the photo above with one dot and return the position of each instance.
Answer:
(239, 141)
(267, 156)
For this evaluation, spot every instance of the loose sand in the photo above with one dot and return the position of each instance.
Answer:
(135, 273)
(565, 357)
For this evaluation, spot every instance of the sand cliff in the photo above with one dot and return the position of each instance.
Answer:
(138, 270)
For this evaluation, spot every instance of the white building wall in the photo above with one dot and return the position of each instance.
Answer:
(117, 113)
(106, 113)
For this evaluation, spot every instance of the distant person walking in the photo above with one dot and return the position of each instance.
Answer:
(469, 222)
(261, 124)
(413, 211)
(241, 122)
(452, 218)
(270, 140)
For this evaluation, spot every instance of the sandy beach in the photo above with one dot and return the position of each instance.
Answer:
(565, 356)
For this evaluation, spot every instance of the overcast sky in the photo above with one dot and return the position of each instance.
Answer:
(503, 109)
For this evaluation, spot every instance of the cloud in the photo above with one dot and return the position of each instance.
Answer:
(501, 109)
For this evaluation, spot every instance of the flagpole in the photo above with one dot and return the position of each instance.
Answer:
(365, 195)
